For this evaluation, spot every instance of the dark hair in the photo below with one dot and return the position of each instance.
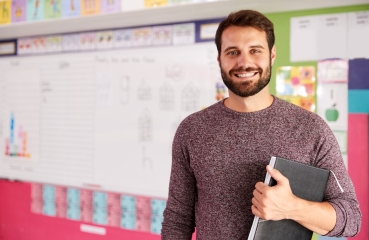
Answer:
(246, 18)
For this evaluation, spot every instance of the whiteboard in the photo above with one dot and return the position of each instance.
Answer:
(103, 119)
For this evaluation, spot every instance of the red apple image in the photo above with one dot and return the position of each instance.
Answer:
(331, 114)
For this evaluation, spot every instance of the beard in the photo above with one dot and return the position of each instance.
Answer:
(247, 88)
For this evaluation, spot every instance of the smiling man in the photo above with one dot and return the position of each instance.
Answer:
(220, 153)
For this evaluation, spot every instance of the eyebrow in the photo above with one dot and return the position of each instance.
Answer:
(234, 47)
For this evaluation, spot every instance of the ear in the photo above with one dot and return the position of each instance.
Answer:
(273, 53)
(218, 59)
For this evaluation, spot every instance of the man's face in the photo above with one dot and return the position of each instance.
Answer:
(245, 60)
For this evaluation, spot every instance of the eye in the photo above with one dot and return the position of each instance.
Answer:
(232, 53)
(255, 51)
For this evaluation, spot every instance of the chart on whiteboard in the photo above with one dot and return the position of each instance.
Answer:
(104, 119)
(20, 116)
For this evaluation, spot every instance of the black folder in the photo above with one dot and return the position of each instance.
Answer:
(307, 182)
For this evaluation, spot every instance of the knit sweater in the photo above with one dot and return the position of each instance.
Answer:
(220, 154)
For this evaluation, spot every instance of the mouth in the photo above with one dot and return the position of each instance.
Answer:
(245, 75)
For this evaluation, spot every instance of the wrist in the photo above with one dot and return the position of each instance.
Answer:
(298, 210)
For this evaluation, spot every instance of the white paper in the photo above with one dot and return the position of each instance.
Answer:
(333, 71)
(104, 40)
(332, 36)
(87, 41)
(24, 46)
(54, 43)
(141, 36)
(70, 42)
(161, 35)
(183, 34)
(332, 104)
(122, 38)
(341, 137)
(208, 30)
(358, 34)
(39, 45)
(304, 39)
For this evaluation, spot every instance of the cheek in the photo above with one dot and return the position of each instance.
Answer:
(263, 63)
(226, 65)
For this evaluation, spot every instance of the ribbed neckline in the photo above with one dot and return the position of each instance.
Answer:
(235, 114)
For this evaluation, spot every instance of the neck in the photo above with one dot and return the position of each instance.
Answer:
(258, 102)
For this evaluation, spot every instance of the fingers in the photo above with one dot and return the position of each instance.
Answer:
(274, 173)
(260, 186)
(255, 211)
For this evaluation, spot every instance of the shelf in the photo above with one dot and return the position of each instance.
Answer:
(162, 15)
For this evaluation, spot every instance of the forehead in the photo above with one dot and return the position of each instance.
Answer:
(240, 36)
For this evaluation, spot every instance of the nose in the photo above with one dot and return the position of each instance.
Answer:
(243, 60)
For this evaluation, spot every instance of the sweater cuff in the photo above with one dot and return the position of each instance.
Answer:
(338, 228)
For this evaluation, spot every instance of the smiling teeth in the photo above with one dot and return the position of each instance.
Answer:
(246, 75)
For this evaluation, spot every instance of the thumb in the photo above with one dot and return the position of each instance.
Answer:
(277, 175)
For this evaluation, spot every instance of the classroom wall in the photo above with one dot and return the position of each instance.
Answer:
(18, 222)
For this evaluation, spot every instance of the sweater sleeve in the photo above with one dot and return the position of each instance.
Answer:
(179, 215)
(346, 205)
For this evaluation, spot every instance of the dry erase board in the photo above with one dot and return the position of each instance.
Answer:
(102, 118)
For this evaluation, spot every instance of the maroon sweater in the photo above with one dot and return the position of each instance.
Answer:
(220, 154)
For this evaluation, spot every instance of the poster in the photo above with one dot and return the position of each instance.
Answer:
(296, 84)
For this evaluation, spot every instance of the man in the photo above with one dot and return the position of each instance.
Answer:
(220, 153)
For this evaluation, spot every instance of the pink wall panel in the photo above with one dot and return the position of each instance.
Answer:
(358, 165)
(17, 222)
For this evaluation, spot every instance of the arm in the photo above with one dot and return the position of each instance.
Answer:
(179, 215)
(347, 217)
(278, 202)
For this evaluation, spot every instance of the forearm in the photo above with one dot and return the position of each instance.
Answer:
(320, 217)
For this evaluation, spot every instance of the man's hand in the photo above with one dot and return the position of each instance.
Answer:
(276, 202)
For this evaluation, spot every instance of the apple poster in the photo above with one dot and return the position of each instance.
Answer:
(332, 104)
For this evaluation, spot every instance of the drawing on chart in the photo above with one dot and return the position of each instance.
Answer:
(70, 42)
(145, 127)
(104, 39)
(122, 38)
(37, 3)
(16, 144)
(18, 10)
(332, 113)
(144, 91)
(5, 10)
(24, 46)
(174, 72)
(39, 44)
(190, 98)
(53, 43)
(87, 41)
(21, 128)
(146, 161)
(124, 86)
(166, 97)
(141, 36)
(90, 4)
(105, 36)
(54, 4)
(72, 5)
(161, 35)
